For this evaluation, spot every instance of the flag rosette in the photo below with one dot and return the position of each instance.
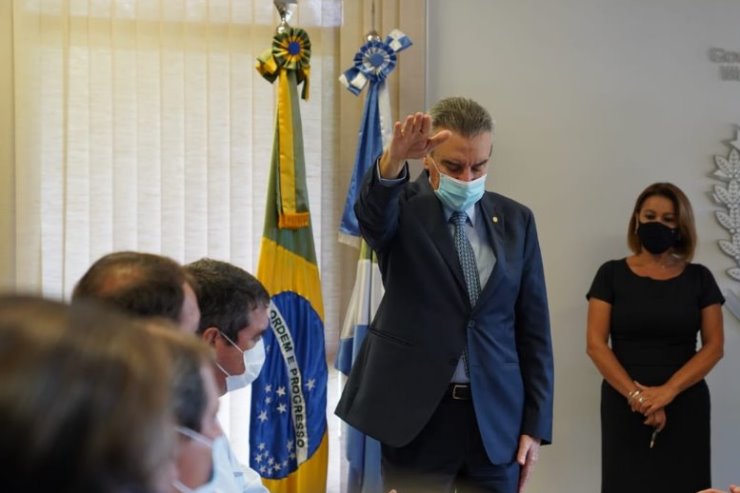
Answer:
(291, 50)
(287, 61)
(374, 61)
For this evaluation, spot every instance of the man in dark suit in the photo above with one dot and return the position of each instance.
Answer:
(455, 376)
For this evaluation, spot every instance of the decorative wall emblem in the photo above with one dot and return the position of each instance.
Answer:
(727, 193)
(728, 63)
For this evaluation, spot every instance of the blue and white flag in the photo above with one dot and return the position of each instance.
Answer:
(362, 452)
(372, 64)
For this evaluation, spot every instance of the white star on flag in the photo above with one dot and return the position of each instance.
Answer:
(263, 416)
(736, 143)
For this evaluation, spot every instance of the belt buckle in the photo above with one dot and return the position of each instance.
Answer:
(460, 392)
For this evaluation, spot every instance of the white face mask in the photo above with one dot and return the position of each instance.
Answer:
(253, 360)
(210, 486)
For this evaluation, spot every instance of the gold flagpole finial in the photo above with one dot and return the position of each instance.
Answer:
(285, 8)
(372, 35)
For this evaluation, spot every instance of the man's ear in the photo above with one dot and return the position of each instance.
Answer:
(209, 335)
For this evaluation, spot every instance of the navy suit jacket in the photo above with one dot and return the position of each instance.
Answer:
(414, 342)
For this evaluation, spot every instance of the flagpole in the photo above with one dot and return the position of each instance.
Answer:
(372, 35)
(285, 8)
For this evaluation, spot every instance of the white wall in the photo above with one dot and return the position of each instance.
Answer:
(594, 100)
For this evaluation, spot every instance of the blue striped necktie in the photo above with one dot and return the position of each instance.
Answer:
(466, 256)
(470, 269)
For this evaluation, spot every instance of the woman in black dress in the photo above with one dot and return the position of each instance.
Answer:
(644, 314)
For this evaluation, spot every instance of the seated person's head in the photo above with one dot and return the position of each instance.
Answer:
(85, 406)
(233, 306)
(194, 404)
(143, 284)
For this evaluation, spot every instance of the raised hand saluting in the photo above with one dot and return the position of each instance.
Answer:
(412, 139)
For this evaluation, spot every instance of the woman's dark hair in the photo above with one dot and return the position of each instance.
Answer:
(686, 245)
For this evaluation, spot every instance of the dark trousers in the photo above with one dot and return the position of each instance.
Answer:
(448, 455)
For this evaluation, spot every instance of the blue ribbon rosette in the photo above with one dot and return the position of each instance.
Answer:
(374, 61)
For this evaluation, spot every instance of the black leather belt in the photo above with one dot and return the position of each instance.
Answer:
(460, 391)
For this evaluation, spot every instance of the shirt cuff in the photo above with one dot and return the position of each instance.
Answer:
(392, 182)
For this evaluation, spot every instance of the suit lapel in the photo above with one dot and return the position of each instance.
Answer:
(495, 225)
(432, 219)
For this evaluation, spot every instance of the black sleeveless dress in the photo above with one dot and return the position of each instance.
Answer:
(653, 332)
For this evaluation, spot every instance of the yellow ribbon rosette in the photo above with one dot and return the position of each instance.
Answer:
(288, 61)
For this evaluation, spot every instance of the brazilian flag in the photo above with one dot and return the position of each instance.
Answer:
(288, 433)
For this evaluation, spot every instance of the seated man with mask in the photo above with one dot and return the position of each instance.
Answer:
(233, 307)
(194, 403)
(160, 291)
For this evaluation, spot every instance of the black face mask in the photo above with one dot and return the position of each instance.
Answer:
(656, 237)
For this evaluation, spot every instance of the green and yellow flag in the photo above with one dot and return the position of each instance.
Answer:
(288, 433)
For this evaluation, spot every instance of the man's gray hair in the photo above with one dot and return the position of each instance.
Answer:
(462, 116)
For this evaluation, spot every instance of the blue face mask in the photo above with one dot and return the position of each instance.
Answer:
(459, 195)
